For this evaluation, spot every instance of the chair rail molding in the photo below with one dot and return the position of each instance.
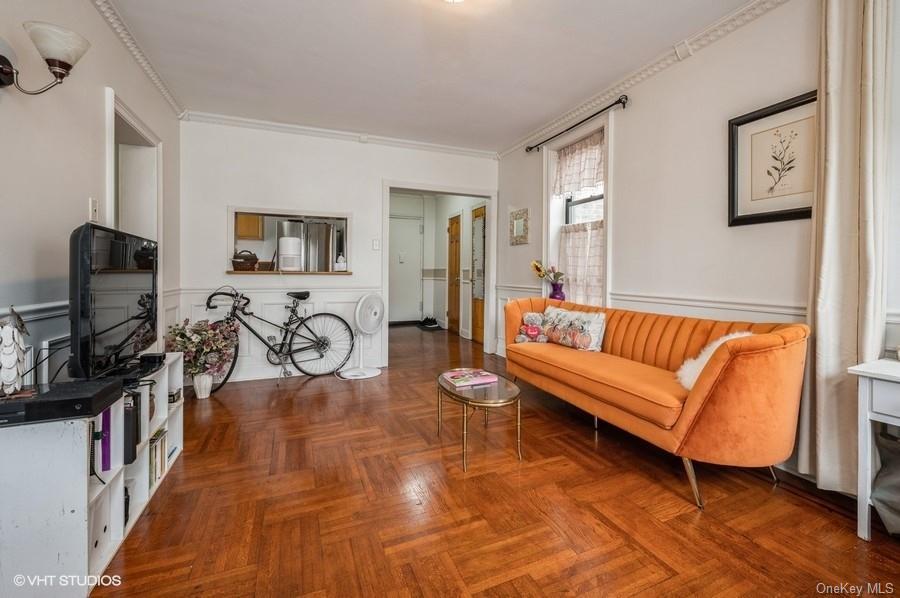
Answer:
(115, 22)
(704, 303)
(39, 311)
(713, 33)
(534, 290)
(892, 333)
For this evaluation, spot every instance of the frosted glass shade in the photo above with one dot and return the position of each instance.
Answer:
(55, 43)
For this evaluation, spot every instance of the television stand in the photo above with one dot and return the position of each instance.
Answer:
(58, 520)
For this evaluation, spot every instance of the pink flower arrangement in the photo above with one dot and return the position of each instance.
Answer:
(208, 348)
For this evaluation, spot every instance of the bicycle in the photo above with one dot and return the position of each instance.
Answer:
(325, 338)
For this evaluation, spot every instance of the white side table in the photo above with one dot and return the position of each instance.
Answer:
(879, 401)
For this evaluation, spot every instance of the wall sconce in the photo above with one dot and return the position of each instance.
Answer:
(60, 49)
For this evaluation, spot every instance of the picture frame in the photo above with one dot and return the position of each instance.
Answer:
(772, 162)
(518, 227)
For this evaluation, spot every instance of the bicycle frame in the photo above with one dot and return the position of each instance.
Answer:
(294, 323)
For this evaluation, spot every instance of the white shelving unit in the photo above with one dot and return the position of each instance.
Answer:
(59, 521)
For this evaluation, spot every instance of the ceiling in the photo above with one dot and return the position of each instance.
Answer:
(480, 74)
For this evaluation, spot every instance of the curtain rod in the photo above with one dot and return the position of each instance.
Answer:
(623, 100)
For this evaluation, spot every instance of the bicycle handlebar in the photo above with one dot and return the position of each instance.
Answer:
(243, 301)
(209, 299)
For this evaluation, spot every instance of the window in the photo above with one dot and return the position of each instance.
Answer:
(580, 185)
(580, 171)
(291, 242)
(588, 209)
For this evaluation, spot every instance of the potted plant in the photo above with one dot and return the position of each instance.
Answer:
(207, 349)
(551, 275)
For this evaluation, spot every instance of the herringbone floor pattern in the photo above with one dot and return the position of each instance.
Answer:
(332, 488)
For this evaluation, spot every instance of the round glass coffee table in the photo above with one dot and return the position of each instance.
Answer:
(498, 394)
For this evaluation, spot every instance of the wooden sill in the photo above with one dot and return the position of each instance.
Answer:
(277, 273)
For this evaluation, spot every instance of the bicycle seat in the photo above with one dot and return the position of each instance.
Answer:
(299, 295)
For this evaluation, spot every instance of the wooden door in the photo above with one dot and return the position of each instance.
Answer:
(478, 271)
(453, 251)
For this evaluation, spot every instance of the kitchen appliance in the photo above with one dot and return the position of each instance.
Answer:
(294, 250)
(319, 247)
(290, 252)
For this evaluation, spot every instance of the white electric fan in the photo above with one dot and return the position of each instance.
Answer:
(369, 314)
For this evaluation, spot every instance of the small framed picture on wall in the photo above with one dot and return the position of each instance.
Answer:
(772, 162)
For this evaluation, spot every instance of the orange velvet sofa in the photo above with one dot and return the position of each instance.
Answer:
(742, 410)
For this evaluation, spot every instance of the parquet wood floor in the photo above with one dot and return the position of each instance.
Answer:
(325, 487)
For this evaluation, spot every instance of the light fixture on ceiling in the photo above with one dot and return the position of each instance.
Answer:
(59, 47)
(453, 1)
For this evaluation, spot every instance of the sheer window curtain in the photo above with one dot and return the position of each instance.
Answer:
(580, 171)
(581, 167)
(581, 259)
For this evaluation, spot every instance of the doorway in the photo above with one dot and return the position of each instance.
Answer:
(449, 273)
(405, 282)
(478, 267)
(135, 206)
(454, 251)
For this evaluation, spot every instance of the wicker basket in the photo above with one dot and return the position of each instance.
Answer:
(244, 261)
(264, 266)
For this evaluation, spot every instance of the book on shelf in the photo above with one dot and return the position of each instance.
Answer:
(468, 377)
(158, 456)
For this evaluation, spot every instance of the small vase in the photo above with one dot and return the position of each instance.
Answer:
(202, 385)
(556, 291)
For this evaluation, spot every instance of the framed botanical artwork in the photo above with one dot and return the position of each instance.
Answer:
(772, 162)
(518, 227)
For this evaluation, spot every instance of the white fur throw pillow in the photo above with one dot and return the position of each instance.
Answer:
(690, 370)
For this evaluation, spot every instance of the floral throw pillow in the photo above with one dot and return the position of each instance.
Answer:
(532, 328)
(577, 329)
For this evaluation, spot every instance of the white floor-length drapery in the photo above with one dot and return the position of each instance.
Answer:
(847, 295)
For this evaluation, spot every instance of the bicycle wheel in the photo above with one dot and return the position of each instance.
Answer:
(229, 361)
(321, 344)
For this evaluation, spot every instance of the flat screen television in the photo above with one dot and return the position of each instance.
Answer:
(112, 299)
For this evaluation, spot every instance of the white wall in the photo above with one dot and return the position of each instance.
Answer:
(137, 190)
(892, 340)
(671, 247)
(521, 186)
(238, 166)
(52, 157)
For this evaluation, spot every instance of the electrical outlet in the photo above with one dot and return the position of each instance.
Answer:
(93, 209)
(376, 244)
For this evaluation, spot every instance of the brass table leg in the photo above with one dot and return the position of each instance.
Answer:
(440, 410)
(485, 416)
(465, 419)
(519, 428)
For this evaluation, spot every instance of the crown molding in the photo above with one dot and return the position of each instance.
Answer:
(279, 127)
(680, 51)
(115, 22)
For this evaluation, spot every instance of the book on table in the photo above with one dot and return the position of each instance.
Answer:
(467, 377)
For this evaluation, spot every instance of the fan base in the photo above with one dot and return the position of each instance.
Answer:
(359, 373)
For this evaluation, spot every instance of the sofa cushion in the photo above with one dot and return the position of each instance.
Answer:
(648, 392)
(579, 329)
